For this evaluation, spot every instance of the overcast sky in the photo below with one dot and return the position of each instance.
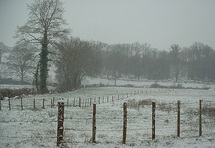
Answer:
(156, 22)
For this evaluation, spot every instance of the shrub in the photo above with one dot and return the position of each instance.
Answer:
(156, 85)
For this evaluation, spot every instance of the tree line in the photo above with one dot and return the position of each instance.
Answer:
(74, 58)
(196, 62)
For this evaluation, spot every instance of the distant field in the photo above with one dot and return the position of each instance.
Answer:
(89, 81)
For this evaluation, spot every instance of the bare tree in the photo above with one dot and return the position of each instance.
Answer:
(20, 61)
(43, 26)
(75, 59)
(201, 62)
(175, 60)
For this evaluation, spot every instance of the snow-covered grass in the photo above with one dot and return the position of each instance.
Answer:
(146, 83)
(37, 128)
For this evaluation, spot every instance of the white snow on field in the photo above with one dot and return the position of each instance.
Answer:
(34, 128)
(144, 83)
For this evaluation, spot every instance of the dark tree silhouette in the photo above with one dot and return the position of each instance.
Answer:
(43, 26)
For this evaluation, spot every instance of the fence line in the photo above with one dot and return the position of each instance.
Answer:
(197, 130)
(200, 112)
(126, 118)
(87, 102)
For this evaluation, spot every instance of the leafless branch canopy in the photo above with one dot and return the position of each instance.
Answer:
(45, 17)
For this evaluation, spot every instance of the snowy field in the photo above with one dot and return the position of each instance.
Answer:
(146, 83)
(34, 128)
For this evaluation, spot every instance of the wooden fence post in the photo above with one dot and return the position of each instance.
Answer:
(0, 104)
(60, 127)
(34, 104)
(99, 100)
(200, 118)
(178, 118)
(9, 104)
(43, 104)
(21, 103)
(53, 102)
(124, 122)
(153, 120)
(74, 102)
(79, 102)
(94, 124)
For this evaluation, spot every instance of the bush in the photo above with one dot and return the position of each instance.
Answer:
(156, 85)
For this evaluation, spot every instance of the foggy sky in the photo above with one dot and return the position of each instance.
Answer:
(156, 22)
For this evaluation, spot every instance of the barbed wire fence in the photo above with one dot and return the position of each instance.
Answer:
(186, 124)
(37, 104)
(171, 119)
(110, 127)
